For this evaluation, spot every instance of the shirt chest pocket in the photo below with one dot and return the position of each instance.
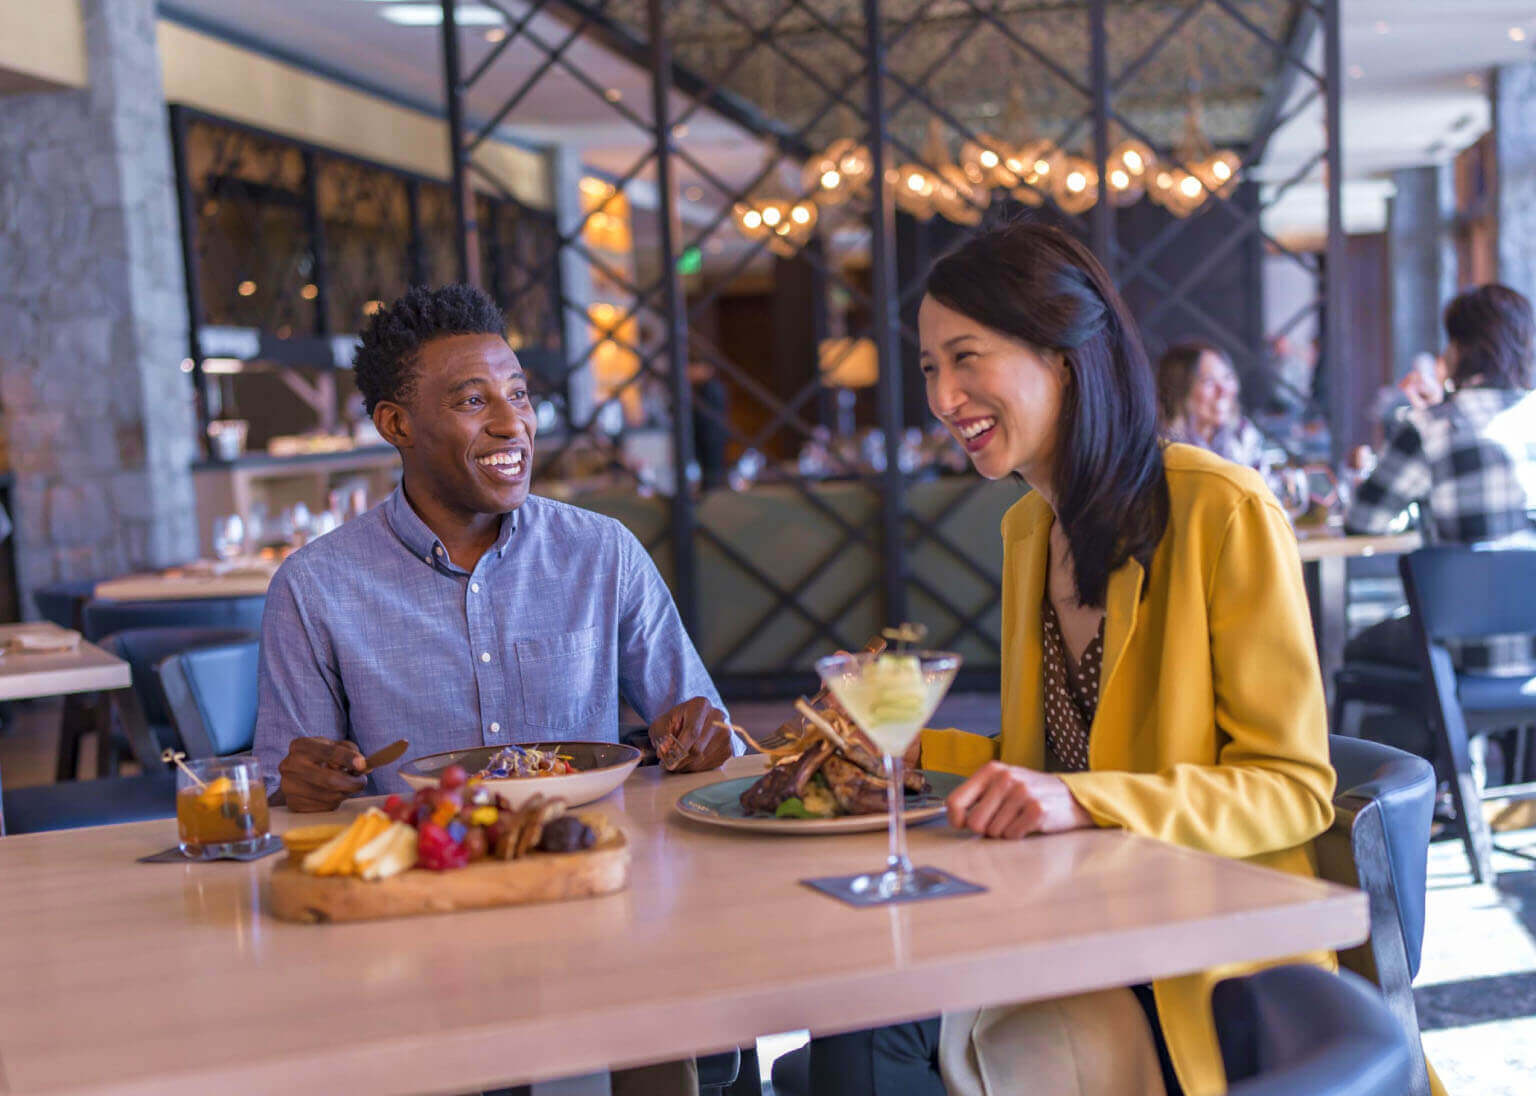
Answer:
(560, 679)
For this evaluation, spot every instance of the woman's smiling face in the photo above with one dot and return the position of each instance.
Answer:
(1000, 398)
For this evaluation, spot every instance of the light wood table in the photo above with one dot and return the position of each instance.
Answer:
(169, 978)
(87, 669)
(185, 587)
(1325, 555)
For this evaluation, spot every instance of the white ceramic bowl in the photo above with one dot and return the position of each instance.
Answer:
(600, 768)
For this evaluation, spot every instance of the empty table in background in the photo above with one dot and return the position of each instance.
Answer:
(25, 675)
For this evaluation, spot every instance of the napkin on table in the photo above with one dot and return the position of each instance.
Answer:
(44, 640)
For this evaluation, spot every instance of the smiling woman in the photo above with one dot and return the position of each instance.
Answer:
(1142, 584)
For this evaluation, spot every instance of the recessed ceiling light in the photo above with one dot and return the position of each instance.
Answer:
(1473, 80)
(495, 34)
(613, 95)
(1517, 34)
(694, 193)
(431, 15)
(1382, 28)
(1355, 72)
(680, 131)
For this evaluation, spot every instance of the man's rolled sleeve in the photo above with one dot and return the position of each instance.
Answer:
(299, 691)
(659, 667)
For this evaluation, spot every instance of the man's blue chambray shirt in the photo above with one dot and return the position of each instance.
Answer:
(372, 633)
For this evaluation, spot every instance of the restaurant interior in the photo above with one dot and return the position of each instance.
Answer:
(709, 227)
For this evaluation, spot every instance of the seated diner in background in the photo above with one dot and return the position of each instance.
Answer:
(463, 611)
(1159, 669)
(1465, 453)
(1197, 397)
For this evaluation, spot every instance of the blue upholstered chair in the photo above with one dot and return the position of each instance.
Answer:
(142, 712)
(1457, 592)
(100, 618)
(210, 693)
(89, 803)
(70, 605)
(207, 705)
(1379, 842)
(1300, 1029)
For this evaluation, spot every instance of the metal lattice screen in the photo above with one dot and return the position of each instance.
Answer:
(727, 101)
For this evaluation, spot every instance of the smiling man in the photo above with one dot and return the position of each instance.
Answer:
(463, 611)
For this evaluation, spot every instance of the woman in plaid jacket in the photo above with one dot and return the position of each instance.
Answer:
(1468, 459)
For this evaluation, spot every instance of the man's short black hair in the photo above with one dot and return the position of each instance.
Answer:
(385, 364)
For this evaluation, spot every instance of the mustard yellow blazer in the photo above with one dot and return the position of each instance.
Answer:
(1211, 730)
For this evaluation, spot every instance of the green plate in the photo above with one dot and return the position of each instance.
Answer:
(719, 804)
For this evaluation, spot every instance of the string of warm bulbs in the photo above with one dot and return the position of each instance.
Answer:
(1032, 171)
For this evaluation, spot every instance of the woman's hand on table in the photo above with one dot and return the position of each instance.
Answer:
(1011, 801)
(691, 737)
(319, 773)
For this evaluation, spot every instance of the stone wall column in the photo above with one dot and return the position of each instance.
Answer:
(93, 318)
(1514, 127)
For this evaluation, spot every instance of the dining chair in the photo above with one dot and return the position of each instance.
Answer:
(88, 803)
(1457, 592)
(63, 603)
(1298, 1028)
(102, 617)
(1379, 842)
(210, 695)
(142, 714)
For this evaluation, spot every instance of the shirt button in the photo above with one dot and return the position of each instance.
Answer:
(485, 656)
(495, 727)
(474, 587)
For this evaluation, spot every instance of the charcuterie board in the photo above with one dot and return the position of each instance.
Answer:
(541, 877)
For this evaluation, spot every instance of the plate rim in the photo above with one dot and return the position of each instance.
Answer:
(808, 827)
(632, 760)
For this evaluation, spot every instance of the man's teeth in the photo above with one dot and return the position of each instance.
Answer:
(970, 430)
(507, 463)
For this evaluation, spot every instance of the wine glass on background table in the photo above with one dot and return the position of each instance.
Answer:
(890, 695)
(228, 536)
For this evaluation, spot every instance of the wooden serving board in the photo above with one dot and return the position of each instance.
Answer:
(538, 877)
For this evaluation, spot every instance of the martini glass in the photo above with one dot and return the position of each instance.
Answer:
(890, 696)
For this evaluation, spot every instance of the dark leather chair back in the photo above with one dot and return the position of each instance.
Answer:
(1379, 842)
(1300, 1029)
(211, 692)
(1383, 806)
(101, 618)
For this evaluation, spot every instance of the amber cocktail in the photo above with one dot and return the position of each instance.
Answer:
(224, 814)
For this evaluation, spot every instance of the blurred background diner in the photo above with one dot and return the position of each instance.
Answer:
(708, 224)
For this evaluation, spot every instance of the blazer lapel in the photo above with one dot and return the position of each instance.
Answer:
(1122, 606)
(1024, 722)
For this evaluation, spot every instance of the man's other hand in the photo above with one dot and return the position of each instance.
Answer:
(691, 737)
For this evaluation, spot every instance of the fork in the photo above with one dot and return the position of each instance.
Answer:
(778, 737)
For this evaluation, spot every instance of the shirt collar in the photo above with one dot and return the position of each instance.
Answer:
(421, 541)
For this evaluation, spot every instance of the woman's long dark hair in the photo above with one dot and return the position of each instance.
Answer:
(1038, 285)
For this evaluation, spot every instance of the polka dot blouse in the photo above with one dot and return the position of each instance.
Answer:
(1071, 695)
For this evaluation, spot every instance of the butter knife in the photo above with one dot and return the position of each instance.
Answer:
(384, 756)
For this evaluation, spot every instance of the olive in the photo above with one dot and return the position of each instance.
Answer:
(566, 834)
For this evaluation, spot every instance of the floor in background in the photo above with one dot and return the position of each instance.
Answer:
(1476, 989)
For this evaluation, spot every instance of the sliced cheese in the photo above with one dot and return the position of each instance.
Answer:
(338, 855)
(391, 853)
